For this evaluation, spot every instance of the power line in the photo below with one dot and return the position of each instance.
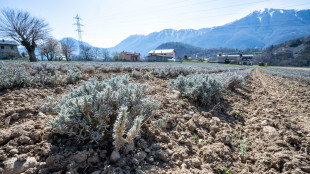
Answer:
(138, 11)
(195, 11)
(210, 9)
(212, 15)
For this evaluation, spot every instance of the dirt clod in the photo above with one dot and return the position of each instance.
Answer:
(115, 156)
(80, 157)
(13, 166)
(163, 155)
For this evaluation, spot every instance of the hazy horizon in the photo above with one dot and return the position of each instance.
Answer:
(108, 23)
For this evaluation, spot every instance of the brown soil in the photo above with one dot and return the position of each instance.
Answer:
(271, 113)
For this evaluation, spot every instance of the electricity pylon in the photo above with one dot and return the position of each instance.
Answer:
(78, 25)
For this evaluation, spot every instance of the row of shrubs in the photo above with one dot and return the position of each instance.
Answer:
(205, 89)
(17, 75)
(114, 109)
(21, 74)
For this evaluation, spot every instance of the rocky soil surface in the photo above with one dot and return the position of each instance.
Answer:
(262, 127)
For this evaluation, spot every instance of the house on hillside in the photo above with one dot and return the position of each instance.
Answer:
(161, 55)
(129, 56)
(235, 59)
(8, 49)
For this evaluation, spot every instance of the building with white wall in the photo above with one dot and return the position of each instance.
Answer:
(161, 55)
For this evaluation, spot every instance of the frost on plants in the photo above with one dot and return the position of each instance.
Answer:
(200, 88)
(110, 109)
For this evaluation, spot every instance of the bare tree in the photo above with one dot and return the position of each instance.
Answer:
(68, 46)
(51, 49)
(115, 55)
(122, 56)
(96, 52)
(23, 28)
(41, 53)
(105, 54)
(86, 52)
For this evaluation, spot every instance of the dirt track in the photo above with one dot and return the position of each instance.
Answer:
(276, 124)
(271, 113)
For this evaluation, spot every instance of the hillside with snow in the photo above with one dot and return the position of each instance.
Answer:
(256, 30)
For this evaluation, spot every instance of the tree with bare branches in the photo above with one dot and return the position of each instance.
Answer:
(50, 48)
(68, 46)
(105, 54)
(96, 53)
(116, 56)
(86, 52)
(23, 28)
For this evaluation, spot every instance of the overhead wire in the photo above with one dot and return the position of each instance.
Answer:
(228, 14)
(192, 11)
(166, 6)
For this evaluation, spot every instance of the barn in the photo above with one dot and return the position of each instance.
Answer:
(235, 59)
(161, 55)
(8, 49)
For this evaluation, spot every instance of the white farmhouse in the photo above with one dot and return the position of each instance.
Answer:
(235, 59)
(161, 55)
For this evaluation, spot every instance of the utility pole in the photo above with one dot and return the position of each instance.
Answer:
(78, 25)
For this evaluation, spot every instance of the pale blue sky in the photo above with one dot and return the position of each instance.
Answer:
(108, 22)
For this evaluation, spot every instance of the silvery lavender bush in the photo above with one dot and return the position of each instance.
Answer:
(50, 74)
(47, 78)
(65, 67)
(200, 88)
(233, 79)
(97, 111)
(136, 74)
(161, 73)
(234, 82)
(88, 69)
(48, 67)
(72, 76)
(172, 72)
(46, 74)
(14, 76)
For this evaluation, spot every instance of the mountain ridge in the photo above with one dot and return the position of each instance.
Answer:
(259, 29)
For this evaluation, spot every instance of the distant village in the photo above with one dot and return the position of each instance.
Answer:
(9, 50)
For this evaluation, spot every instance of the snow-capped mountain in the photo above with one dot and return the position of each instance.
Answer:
(256, 30)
